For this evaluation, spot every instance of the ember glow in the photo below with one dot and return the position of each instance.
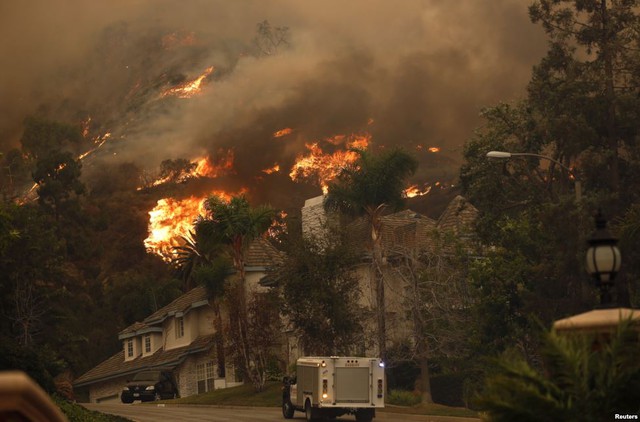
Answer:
(414, 190)
(274, 169)
(282, 132)
(434, 149)
(324, 167)
(189, 89)
(99, 141)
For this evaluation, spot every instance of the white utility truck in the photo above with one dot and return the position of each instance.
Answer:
(332, 386)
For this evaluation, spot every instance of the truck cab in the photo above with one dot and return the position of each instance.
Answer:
(332, 386)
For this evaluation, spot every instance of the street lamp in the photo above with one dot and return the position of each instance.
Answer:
(505, 154)
(603, 259)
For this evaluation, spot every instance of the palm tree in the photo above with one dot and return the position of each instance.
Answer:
(582, 378)
(200, 259)
(235, 224)
(367, 188)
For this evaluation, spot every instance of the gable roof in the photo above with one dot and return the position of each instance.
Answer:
(116, 366)
(261, 253)
(194, 298)
(458, 216)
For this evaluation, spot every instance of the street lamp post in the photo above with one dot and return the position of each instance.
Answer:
(603, 259)
(507, 155)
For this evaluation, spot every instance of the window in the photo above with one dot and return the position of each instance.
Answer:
(147, 343)
(179, 327)
(130, 348)
(205, 376)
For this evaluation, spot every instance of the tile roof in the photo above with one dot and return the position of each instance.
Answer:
(404, 229)
(116, 366)
(409, 230)
(261, 253)
(458, 216)
(198, 296)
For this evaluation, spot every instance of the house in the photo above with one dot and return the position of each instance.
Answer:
(404, 233)
(180, 336)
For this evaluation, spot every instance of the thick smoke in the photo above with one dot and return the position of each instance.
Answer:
(410, 73)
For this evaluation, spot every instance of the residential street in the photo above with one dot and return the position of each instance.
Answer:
(150, 413)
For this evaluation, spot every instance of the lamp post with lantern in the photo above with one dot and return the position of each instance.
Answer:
(603, 261)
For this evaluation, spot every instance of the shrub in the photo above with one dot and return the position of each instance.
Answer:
(403, 398)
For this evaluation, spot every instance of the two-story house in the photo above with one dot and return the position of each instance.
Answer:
(179, 336)
(404, 233)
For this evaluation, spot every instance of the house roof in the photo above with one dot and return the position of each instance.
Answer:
(458, 216)
(194, 298)
(261, 253)
(404, 229)
(116, 366)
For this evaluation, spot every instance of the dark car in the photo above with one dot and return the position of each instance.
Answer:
(153, 384)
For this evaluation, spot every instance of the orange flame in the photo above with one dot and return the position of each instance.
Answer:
(325, 167)
(434, 149)
(222, 165)
(189, 89)
(172, 219)
(282, 132)
(413, 191)
(274, 169)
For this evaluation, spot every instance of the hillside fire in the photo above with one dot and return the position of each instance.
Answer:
(188, 89)
(324, 167)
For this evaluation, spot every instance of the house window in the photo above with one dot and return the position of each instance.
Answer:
(147, 343)
(130, 348)
(179, 327)
(205, 376)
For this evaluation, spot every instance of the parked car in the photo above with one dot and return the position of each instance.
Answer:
(153, 384)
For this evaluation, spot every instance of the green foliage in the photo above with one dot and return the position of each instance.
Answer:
(402, 398)
(372, 180)
(42, 136)
(58, 177)
(132, 296)
(76, 413)
(41, 363)
(320, 292)
(582, 378)
(233, 223)
(213, 276)
(176, 170)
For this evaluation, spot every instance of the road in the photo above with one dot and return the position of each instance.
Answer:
(173, 413)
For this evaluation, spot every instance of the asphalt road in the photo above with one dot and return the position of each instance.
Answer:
(169, 413)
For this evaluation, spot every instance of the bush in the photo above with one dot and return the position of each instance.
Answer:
(403, 398)
(76, 413)
(448, 389)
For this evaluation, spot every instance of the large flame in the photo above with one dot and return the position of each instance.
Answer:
(172, 219)
(324, 167)
(188, 89)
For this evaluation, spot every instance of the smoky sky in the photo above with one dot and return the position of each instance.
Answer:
(409, 73)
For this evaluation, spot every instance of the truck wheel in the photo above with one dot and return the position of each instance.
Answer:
(364, 415)
(309, 414)
(287, 409)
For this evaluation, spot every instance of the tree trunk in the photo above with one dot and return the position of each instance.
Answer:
(378, 280)
(219, 339)
(612, 138)
(425, 382)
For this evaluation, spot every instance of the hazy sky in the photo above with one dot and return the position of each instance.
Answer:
(421, 70)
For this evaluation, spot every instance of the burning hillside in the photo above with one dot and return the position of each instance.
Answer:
(170, 83)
